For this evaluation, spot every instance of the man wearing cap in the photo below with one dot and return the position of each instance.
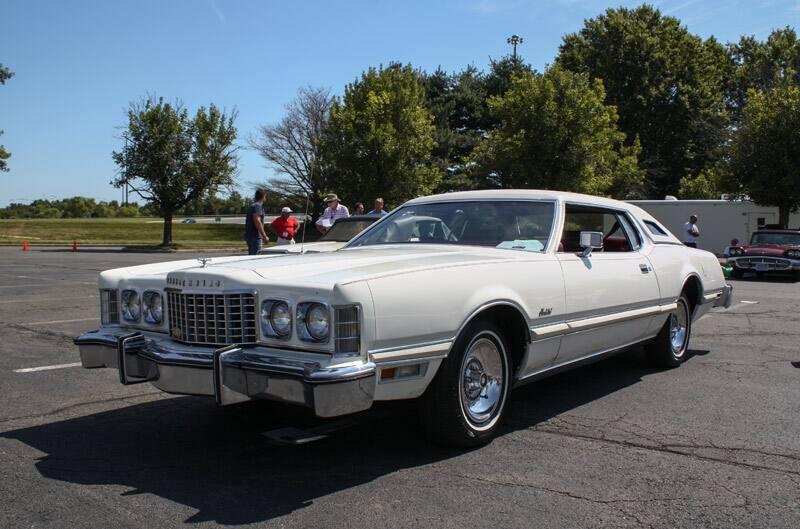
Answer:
(332, 213)
(285, 226)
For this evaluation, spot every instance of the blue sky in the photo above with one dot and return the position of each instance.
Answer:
(78, 63)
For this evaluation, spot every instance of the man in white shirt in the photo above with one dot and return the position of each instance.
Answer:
(332, 213)
(690, 232)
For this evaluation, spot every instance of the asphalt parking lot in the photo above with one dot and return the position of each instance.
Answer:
(713, 443)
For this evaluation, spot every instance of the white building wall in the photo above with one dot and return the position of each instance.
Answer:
(719, 221)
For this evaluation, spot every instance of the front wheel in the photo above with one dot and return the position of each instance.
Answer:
(668, 349)
(737, 273)
(467, 399)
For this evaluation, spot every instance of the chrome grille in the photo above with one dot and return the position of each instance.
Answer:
(212, 319)
(772, 263)
(347, 338)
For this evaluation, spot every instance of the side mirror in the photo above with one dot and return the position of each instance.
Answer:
(589, 241)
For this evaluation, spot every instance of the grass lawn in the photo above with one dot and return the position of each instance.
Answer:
(123, 232)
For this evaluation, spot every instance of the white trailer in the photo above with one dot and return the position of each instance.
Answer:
(719, 221)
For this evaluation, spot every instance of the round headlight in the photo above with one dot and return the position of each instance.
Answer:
(317, 321)
(131, 308)
(153, 307)
(281, 318)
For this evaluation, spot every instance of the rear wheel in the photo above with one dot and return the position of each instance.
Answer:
(669, 348)
(467, 399)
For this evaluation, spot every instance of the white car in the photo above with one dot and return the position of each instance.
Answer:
(455, 299)
(336, 237)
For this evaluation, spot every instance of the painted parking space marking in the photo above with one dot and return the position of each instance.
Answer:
(46, 368)
(29, 300)
(57, 321)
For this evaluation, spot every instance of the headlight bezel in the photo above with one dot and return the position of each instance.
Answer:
(124, 305)
(144, 305)
(268, 329)
(304, 331)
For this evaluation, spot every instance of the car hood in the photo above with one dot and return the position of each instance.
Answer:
(309, 247)
(771, 250)
(355, 264)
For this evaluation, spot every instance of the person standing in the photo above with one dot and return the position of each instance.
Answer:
(254, 232)
(378, 211)
(332, 213)
(285, 226)
(691, 232)
(359, 209)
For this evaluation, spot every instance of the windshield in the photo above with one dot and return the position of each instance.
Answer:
(783, 239)
(513, 225)
(344, 231)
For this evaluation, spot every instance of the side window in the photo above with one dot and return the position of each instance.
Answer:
(618, 233)
(655, 229)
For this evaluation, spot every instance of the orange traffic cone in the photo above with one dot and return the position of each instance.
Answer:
(74, 246)
(24, 246)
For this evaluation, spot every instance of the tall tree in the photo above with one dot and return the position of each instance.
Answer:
(381, 138)
(170, 158)
(765, 163)
(459, 103)
(556, 132)
(666, 83)
(293, 149)
(763, 65)
(5, 74)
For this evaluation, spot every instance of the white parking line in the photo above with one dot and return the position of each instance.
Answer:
(33, 300)
(46, 368)
(56, 321)
(49, 285)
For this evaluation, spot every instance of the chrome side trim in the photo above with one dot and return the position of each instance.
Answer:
(542, 332)
(576, 362)
(430, 351)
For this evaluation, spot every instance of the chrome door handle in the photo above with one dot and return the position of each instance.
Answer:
(644, 268)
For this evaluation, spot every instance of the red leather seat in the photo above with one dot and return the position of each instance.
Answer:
(616, 244)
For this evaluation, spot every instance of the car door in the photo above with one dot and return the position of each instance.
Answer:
(612, 294)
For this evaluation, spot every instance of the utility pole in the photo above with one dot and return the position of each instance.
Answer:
(514, 40)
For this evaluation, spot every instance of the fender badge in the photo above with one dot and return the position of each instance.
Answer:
(204, 261)
(545, 312)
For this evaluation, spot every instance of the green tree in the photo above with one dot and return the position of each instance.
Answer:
(763, 65)
(5, 74)
(171, 159)
(765, 164)
(380, 138)
(667, 84)
(556, 132)
(706, 185)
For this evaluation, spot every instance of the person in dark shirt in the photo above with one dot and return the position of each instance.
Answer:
(254, 232)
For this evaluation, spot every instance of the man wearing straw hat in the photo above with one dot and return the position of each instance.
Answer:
(332, 213)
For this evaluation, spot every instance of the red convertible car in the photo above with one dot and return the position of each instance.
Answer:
(769, 251)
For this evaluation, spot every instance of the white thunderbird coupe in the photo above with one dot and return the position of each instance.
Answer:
(454, 299)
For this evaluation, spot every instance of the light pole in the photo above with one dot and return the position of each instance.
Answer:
(514, 40)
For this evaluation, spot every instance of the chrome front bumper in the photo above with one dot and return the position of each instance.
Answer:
(232, 374)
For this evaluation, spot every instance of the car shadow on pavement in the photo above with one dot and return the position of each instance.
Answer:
(214, 460)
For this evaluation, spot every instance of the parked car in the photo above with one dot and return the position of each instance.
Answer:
(336, 237)
(453, 299)
(188, 221)
(769, 251)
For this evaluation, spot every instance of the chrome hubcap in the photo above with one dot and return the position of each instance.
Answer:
(678, 329)
(482, 382)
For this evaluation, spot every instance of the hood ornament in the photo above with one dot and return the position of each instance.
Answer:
(204, 261)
